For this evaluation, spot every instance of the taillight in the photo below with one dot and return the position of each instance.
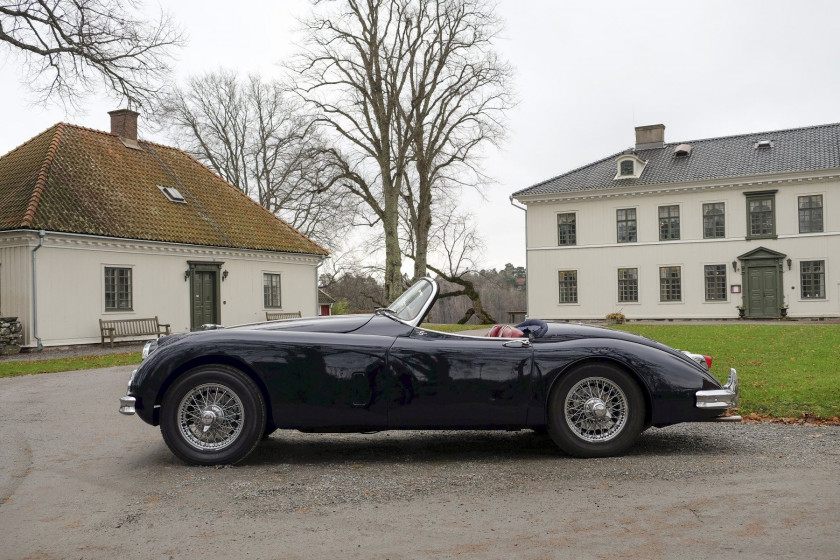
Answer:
(708, 361)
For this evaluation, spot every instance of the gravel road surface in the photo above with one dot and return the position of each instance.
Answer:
(77, 480)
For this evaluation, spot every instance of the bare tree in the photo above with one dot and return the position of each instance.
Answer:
(458, 244)
(408, 90)
(459, 91)
(69, 45)
(258, 139)
(353, 72)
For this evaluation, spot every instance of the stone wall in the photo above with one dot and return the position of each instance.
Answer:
(9, 335)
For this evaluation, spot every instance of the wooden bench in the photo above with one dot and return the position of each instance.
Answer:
(278, 316)
(514, 317)
(112, 328)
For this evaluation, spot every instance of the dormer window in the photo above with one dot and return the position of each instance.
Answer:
(172, 194)
(629, 166)
(763, 144)
(683, 150)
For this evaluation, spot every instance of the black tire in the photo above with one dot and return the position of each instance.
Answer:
(582, 432)
(236, 418)
(270, 428)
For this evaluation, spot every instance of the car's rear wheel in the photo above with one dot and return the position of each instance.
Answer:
(596, 410)
(212, 415)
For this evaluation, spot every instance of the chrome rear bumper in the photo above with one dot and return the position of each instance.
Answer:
(720, 399)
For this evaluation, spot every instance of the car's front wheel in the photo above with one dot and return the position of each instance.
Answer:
(212, 415)
(596, 410)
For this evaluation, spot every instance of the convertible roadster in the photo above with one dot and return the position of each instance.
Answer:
(216, 393)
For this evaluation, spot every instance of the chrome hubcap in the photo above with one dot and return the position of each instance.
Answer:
(596, 409)
(210, 417)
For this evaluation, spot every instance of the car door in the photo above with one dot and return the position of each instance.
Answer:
(452, 381)
(326, 380)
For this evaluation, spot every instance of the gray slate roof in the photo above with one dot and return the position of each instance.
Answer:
(798, 149)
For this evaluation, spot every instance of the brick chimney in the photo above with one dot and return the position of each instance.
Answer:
(649, 137)
(124, 123)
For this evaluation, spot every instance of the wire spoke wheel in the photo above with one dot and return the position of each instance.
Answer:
(210, 417)
(596, 409)
(213, 415)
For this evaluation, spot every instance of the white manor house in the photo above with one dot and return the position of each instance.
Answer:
(701, 229)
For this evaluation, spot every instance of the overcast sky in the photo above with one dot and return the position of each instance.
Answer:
(587, 73)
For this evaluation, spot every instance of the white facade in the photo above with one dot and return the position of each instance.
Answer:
(597, 255)
(69, 287)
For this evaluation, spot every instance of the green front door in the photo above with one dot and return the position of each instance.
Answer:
(205, 305)
(763, 292)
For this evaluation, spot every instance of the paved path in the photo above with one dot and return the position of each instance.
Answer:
(77, 480)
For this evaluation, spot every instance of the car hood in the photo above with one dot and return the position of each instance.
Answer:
(329, 324)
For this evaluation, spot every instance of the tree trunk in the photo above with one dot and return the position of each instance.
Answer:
(469, 291)
(393, 256)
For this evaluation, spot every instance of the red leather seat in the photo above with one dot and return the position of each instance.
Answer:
(505, 331)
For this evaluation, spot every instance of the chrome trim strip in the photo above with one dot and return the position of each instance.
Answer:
(721, 399)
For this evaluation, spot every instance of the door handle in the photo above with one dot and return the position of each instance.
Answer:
(519, 343)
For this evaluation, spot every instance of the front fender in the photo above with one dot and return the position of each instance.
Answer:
(668, 380)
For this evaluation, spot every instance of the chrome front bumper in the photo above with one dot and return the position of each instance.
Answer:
(127, 402)
(127, 405)
(720, 399)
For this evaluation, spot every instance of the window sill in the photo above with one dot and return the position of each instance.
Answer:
(567, 304)
(671, 302)
(716, 301)
(118, 312)
(752, 237)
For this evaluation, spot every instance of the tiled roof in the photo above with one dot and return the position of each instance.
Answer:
(76, 180)
(324, 298)
(799, 149)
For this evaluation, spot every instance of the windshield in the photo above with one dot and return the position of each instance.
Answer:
(413, 301)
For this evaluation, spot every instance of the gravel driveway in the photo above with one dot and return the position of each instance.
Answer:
(77, 480)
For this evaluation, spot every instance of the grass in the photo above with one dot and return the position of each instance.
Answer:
(784, 370)
(17, 368)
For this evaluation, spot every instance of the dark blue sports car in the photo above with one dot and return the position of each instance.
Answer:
(217, 393)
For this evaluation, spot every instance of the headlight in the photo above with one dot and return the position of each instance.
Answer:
(147, 349)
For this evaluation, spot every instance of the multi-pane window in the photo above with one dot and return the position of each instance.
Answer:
(566, 229)
(761, 215)
(812, 275)
(567, 280)
(810, 213)
(625, 220)
(714, 215)
(117, 289)
(627, 167)
(628, 284)
(715, 275)
(669, 222)
(271, 290)
(670, 283)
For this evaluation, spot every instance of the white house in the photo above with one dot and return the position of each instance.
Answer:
(691, 229)
(97, 225)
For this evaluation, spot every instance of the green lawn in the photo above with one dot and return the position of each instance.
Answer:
(784, 370)
(13, 369)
